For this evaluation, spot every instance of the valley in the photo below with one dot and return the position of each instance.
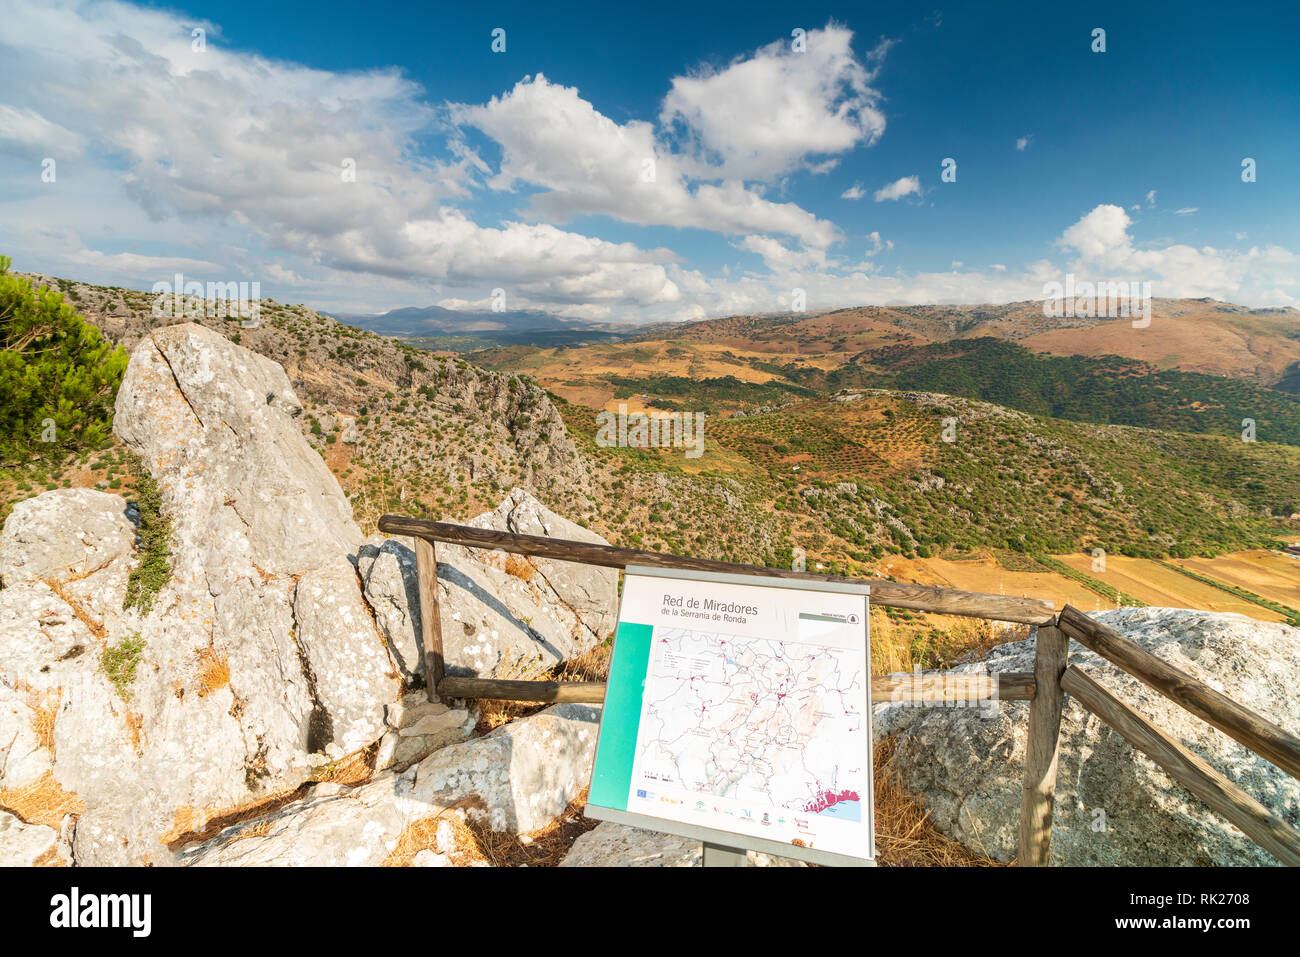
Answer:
(824, 461)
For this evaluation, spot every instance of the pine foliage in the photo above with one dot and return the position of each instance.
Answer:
(58, 376)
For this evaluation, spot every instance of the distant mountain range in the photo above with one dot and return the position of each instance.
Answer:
(436, 327)
(1192, 335)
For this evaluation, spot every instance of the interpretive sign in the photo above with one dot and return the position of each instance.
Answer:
(738, 712)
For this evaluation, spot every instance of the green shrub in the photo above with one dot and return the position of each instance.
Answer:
(155, 568)
(58, 377)
(119, 662)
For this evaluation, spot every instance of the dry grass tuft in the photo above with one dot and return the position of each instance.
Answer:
(520, 566)
(591, 665)
(190, 825)
(135, 727)
(904, 835)
(544, 848)
(933, 641)
(476, 844)
(260, 829)
(351, 769)
(96, 628)
(214, 672)
(423, 835)
(890, 647)
(43, 714)
(41, 802)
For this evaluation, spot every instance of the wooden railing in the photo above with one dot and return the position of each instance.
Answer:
(1257, 734)
(1045, 688)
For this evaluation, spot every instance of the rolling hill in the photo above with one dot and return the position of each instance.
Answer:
(850, 473)
(1191, 335)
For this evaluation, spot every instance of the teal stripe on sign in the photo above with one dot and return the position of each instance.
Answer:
(621, 717)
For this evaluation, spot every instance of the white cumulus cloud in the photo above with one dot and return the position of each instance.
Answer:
(899, 188)
(770, 113)
(587, 163)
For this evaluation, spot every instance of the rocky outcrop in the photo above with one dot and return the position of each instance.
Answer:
(616, 845)
(1113, 804)
(23, 844)
(417, 727)
(270, 644)
(502, 615)
(258, 658)
(66, 555)
(516, 779)
(40, 544)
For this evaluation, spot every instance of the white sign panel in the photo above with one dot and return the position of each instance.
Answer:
(738, 711)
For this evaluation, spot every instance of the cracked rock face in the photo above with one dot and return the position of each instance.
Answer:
(260, 655)
(1114, 806)
(516, 779)
(502, 615)
(275, 645)
(23, 844)
(617, 845)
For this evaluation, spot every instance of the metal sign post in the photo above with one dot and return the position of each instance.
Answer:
(715, 855)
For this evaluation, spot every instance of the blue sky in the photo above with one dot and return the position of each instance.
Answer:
(774, 168)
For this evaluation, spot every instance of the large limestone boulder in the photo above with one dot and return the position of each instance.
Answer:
(65, 534)
(502, 615)
(23, 844)
(64, 559)
(214, 422)
(1113, 806)
(516, 779)
(524, 773)
(258, 659)
(617, 845)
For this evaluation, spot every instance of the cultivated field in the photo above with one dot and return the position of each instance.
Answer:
(1154, 584)
(986, 575)
(1271, 575)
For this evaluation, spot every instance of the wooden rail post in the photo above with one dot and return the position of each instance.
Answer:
(1050, 659)
(426, 570)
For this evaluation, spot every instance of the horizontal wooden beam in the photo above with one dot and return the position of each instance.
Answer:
(933, 687)
(588, 692)
(1257, 733)
(943, 601)
(1225, 798)
(942, 686)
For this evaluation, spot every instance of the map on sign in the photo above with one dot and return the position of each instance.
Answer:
(753, 720)
(740, 704)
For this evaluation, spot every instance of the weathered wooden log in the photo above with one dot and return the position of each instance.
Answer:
(1038, 794)
(944, 686)
(926, 688)
(426, 569)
